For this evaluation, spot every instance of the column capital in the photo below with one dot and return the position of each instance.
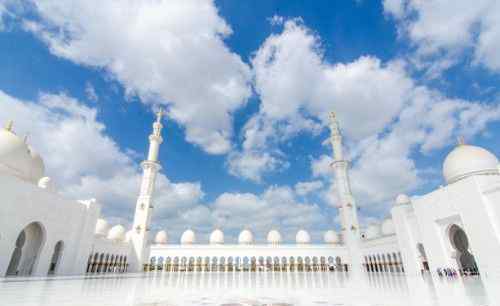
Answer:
(147, 164)
(156, 138)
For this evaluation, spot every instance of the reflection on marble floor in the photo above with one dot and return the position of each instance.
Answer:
(244, 288)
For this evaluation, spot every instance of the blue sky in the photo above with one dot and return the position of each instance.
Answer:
(248, 86)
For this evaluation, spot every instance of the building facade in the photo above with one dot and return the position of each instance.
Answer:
(42, 233)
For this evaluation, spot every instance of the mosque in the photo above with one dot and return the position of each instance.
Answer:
(43, 233)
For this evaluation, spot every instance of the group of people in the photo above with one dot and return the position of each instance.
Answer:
(452, 272)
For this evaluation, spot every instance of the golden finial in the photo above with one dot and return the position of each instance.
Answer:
(460, 140)
(9, 125)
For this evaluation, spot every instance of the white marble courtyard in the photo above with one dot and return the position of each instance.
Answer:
(244, 288)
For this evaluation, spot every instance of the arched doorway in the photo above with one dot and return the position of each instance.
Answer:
(56, 256)
(26, 251)
(423, 257)
(460, 243)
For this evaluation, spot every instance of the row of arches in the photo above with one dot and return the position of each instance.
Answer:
(384, 263)
(27, 249)
(251, 264)
(104, 263)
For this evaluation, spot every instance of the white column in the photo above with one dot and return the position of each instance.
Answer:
(347, 204)
(144, 206)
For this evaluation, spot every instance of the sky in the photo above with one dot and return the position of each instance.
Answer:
(247, 87)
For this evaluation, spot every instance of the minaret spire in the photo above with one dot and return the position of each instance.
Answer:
(144, 206)
(347, 204)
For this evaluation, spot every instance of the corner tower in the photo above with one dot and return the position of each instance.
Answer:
(347, 205)
(144, 206)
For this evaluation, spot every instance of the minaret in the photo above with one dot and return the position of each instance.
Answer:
(347, 205)
(144, 206)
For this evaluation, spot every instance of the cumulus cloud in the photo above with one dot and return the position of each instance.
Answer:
(165, 52)
(91, 93)
(298, 87)
(385, 116)
(277, 207)
(305, 188)
(443, 31)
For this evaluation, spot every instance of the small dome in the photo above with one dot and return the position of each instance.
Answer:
(373, 231)
(388, 227)
(217, 237)
(467, 160)
(117, 233)
(101, 227)
(17, 158)
(331, 237)
(274, 237)
(128, 236)
(302, 237)
(188, 237)
(161, 237)
(402, 199)
(246, 237)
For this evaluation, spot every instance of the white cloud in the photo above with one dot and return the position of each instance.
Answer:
(166, 52)
(443, 31)
(277, 207)
(252, 165)
(91, 93)
(385, 117)
(298, 88)
(305, 188)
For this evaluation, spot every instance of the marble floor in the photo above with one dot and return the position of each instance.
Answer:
(244, 288)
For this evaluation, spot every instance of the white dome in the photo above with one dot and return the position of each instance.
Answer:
(302, 237)
(246, 237)
(402, 199)
(373, 231)
(467, 160)
(101, 227)
(188, 237)
(274, 237)
(161, 237)
(331, 237)
(388, 227)
(128, 236)
(217, 237)
(17, 158)
(117, 233)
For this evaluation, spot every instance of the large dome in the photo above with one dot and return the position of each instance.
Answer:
(188, 237)
(373, 231)
(388, 227)
(302, 237)
(101, 227)
(161, 237)
(117, 233)
(17, 158)
(246, 237)
(274, 237)
(217, 237)
(467, 160)
(331, 237)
